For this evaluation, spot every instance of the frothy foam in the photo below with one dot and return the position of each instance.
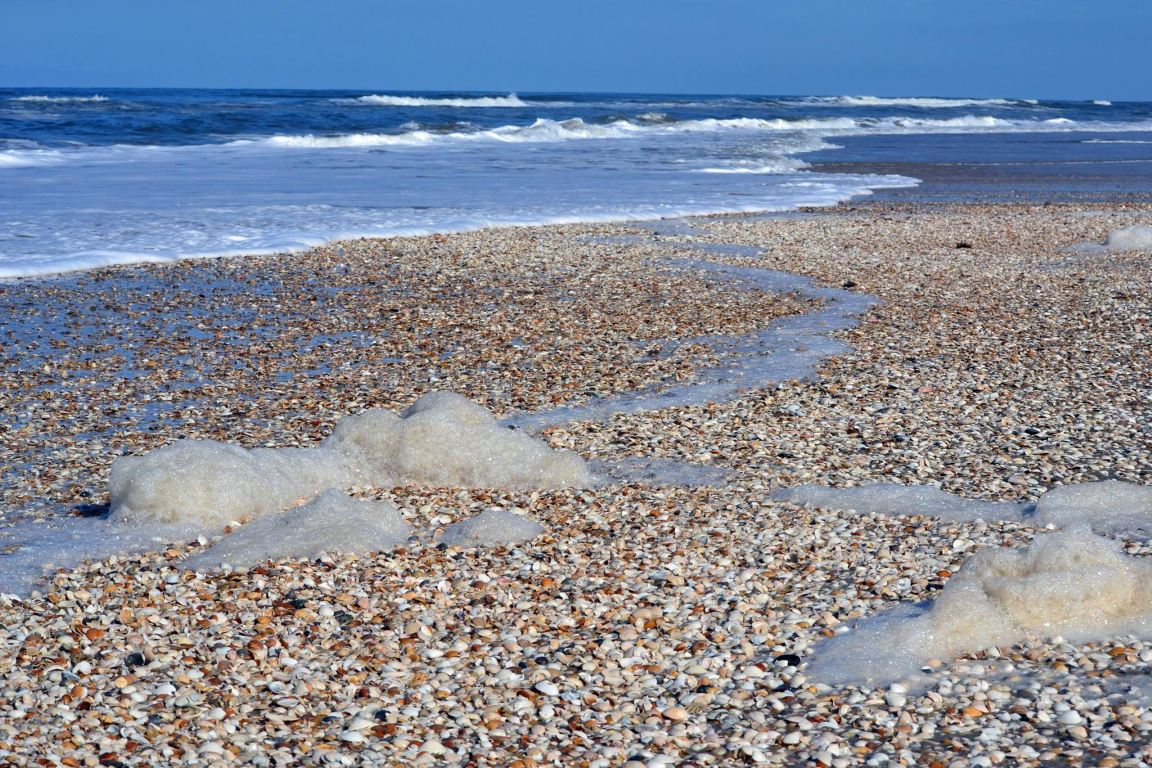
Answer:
(1138, 237)
(442, 440)
(1072, 584)
(783, 165)
(493, 528)
(1075, 583)
(329, 524)
(29, 158)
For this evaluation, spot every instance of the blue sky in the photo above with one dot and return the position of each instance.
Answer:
(1022, 48)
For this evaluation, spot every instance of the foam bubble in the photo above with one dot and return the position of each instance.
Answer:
(493, 528)
(442, 440)
(330, 523)
(1072, 584)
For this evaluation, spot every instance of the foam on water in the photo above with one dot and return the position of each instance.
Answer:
(33, 550)
(492, 528)
(1109, 507)
(1072, 584)
(789, 348)
(442, 440)
(328, 524)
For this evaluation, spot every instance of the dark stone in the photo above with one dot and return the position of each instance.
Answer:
(135, 659)
(790, 659)
(963, 245)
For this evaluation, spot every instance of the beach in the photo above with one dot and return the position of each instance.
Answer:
(661, 619)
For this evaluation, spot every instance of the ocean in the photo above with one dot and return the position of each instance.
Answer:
(93, 177)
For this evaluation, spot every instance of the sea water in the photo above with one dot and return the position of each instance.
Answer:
(92, 177)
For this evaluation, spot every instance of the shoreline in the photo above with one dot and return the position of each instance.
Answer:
(646, 621)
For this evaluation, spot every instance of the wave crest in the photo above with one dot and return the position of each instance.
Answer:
(60, 99)
(383, 100)
(908, 101)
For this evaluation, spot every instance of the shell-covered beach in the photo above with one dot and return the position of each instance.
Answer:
(652, 623)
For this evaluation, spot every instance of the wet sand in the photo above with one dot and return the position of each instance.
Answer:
(652, 625)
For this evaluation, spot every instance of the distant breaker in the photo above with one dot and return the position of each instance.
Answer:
(923, 102)
(61, 99)
(546, 130)
(483, 102)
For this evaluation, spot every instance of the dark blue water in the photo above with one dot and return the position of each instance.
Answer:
(92, 177)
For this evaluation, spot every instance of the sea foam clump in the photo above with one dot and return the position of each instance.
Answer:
(1072, 584)
(330, 523)
(215, 483)
(442, 440)
(446, 440)
(1138, 237)
(493, 528)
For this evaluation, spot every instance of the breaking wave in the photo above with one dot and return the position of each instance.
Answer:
(909, 101)
(60, 99)
(15, 158)
(546, 130)
(1116, 141)
(511, 100)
